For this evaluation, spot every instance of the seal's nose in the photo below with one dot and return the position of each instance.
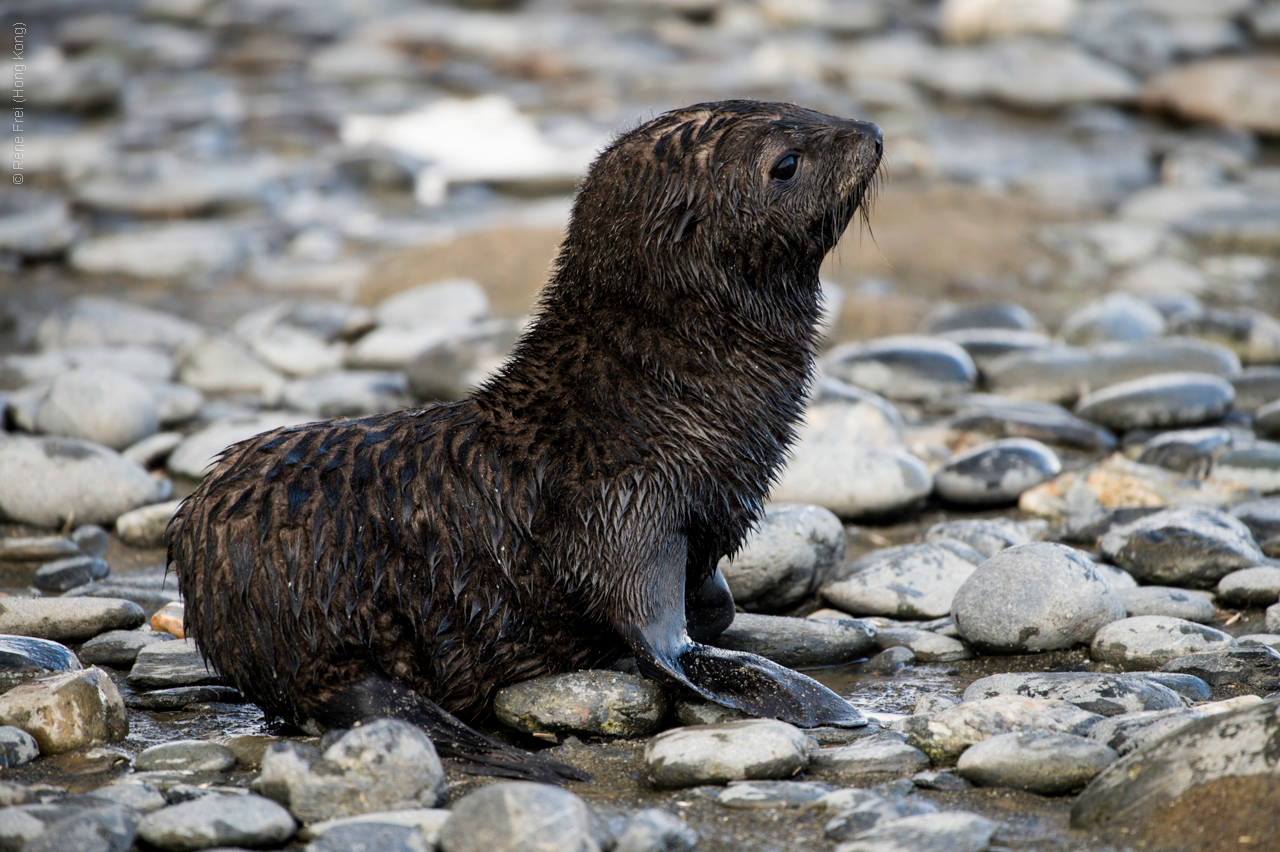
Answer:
(870, 132)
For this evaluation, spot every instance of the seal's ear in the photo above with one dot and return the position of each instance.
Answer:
(654, 627)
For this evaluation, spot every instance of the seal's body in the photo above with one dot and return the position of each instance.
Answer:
(576, 506)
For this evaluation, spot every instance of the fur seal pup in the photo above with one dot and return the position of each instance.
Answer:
(574, 507)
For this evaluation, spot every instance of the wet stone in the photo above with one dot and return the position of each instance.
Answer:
(66, 574)
(598, 703)
(1253, 335)
(1039, 421)
(944, 781)
(876, 753)
(913, 581)
(906, 367)
(987, 536)
(798, 642)
(984, 345)
(185, 755)
(1115, 318)
(180, 697)
(853, 482)
(691, 713)
(17, 747)
(67, 619)
(1256, 387)
(1266, 421)
(91, 539)
(513, 815)
(101, 829)
(996, 473)
(370, 837)
(1182, 547)
(25, 653)
(944, 736)
(381, 765)
(954, 831)
(1253, 666)
(752, 749)
(132, 793)
(925, 645)
(1256, 466)
(107, 407)
(1169, 400)
(1167, 600)
(37, 549)
(145, 527)
(791, 553)
(217, 820)
(1000, 315)
(748, 795)
(1190, 451)
(53, 479)
(1250, 587)
(1048, 764)
(118, 648)
(889, 662)
(162, 665)
(1147, 642)
(1034, 597)
(1104, 694)
(652, 830)
(67, 711)
(874, 810)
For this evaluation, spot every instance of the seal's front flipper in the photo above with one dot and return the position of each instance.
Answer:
(377, 697)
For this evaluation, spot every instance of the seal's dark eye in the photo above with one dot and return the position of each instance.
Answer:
(785, 169)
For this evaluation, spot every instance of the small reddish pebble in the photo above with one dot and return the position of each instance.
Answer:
(168, 619)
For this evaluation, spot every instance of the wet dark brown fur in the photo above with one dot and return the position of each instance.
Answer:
(576, 506)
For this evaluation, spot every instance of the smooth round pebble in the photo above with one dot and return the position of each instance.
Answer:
(1034, 597)
(733, 751)
(106, 407)
(944, 736)
(1262, 517)
(911, 581)
(370, 837)
(907, 367)
(1115, 318)
(1162, 401)
(750, 795)
(1182, 547)
(1104, 694)
(26, 653)
(521, 815)
(65, 574)
(999, 315)
(1147, 642)
(786, 558)
(217, 820)
(598, 703)
(118, 648)
(67, 710)
(1255, 466)
(652, 830)
(988, 536)
(852, 481)
(1048, 764)
(146, 526)
(185, 755)
(67, 619)
(110, 828)
(1190, 451)
(17, 747)
(797, 642)
(1167, 600)
(1250, 587)
(876, 753)
(997, 473)
(953, 831)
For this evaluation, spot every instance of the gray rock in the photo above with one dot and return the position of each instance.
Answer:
(18, 825)
(66, 574)
(53, 479)
(786, 558)
(194, 457)
(1104, 694)
(907, 367)
(1182, 547)
(1061, 375)
(185, 756)
(1191, 688)
(427, 821)
(1255, 387)
(749, 795)
(944, 831)
(597, 703)
(67, 619)
(1269, 640)
(146, 527)
(996, 473)
(1256, 466)
(180, 697)
(24, 653)
(1273, 618)
(1253, 666)
(148, 364)
(1115, 318)
(165, 187)
(1147, 642)
(454, 366)
(175, 404)
(798, 642)
(987, 315)
(912, 581)
(161, 665)
(1222, 746)
(152, 452)
(67, 711)
(735, 751)
(1190, 451)
(348, 393)
(1041, 421)
(34, 225)
(150, 597)
(292, 349)
(852, 481)
(690, 713)
(1266, 421)
(179, 250)
(1250, 587)
(925, 645)
(106, 407)
(944, 736)
(889, 662)
(370, 837)
(118, 648)
(1048, 764)
(91, 539)
(17, 747)
(379, 766)
(944, 781)
(1034, 597)
(988, 536)
(217, 820)
(43, 548)
(652, 830)
(1120, 579)
(876, 753)
(984, 345)
(95, 322)
(132, 793)
(1167, 600)
(218, 363)
(1251, 334)
(453, 301)
(102, 829)
(872, 811)
(517, 815)
(1162, 401)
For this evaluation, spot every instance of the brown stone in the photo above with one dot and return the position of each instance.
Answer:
(1236, 92)
(67, 711)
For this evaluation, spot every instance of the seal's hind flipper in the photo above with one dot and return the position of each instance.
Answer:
(377, 697)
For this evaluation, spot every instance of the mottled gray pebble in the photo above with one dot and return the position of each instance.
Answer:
(1253, 666)
(53, 479)
(64, 574)
(98, 321)
(216, 820)
(944, 781)
(945, 735)
(786, 558)
(27, 653)
(161, 665)
(37, 549)
(1262, 517)
(132, 793)
(1167, 400)
(996, 473)
(909, 581)
(873, 811)
(516, 815)
(734, 751)
(1182, 547)
(1149, 641)
(1250, 587)
(1048, 764)
(103, 829)
(91, 539)
(179, 697)
(853, 481)
(1034, 597)
(67, 710)
(1115, 318)
(370, 837)
(185, 755)
(987, 536)
(876, 753)
(1256, 466)
(1104, 694)
(798, 642)
(17, 747)
(889, 661)
(749, 795)
(908, 367)
(106, 407)
(652, 830)
(67, 619)
(1168, 600)
(924, 645)
(952, 831)
(1190, 451)
(428, 821)
(145, 527)
(598, 703)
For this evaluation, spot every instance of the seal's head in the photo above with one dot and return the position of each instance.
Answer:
(715, 199)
